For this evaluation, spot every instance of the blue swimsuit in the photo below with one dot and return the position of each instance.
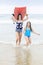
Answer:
(27, 32)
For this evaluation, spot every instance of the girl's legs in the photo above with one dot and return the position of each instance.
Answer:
(30, 40)
(27, 41)
(17, 38)
(20, 35)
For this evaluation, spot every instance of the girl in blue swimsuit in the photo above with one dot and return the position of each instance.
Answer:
(28, 29)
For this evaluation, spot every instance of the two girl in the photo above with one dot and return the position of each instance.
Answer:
(19, 27)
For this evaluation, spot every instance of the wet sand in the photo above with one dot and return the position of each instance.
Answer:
(10, 55)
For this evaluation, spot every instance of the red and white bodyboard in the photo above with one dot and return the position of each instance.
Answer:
(20, 10)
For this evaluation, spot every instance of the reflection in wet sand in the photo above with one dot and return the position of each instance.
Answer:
(10, 55)
(23, 56)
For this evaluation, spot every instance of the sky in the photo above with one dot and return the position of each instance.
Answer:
(33, 6)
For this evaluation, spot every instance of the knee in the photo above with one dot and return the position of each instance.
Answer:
(30, 42)
(27, 41)
(17, 39)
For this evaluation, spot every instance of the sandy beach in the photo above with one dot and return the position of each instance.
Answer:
(10, 55)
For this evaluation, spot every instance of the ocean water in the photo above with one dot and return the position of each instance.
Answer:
(7, 29)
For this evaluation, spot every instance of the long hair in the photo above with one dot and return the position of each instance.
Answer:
(18, 16)
(30, 25)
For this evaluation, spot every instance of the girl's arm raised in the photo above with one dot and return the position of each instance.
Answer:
(26, 17)
(14, 20)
